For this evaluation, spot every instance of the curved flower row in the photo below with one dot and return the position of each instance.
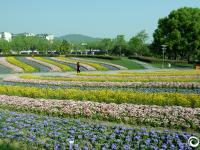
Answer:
(24, 66)
(60, 65)
(84, 75)
(4, 62)
(114, 79)
(170, 116)
(88, 67)
(106, 63)
(59, 134)
(94, 65)
(155, 73)
(52, 67)
(103, 84)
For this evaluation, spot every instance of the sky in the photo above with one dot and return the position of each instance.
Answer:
(96, 18)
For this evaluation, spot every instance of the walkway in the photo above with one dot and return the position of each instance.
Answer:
(145, 65)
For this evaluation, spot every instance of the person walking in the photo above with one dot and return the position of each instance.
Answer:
(78, 67)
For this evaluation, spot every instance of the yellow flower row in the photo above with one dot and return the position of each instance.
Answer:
(107, 96)
(95, 65)
(24, 66)
(155, 73)
(115, 79)
(62, 66)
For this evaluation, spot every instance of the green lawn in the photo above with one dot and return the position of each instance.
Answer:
(183, 66)
(123, 62)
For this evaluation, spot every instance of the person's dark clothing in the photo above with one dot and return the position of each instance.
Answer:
(78, 67)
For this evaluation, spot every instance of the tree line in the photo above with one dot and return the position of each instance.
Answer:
(179, 32)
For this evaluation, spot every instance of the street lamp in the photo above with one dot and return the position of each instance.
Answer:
(164, 47)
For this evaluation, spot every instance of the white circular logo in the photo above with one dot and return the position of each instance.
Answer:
(193, 141)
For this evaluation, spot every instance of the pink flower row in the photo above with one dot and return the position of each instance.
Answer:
(173, 116)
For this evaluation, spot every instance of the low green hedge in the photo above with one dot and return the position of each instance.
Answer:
(29, 55)
(157, 60)
(95, 56)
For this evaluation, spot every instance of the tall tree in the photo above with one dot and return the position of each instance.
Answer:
(65, 47)
(119, 45)
(180, 31)
(107, 45)
(137, 44)
(4, 46)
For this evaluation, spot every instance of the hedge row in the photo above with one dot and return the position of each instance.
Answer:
(29, 55)
(95, 56)
(157, 60)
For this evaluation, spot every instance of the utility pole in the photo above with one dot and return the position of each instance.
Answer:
(164, 47)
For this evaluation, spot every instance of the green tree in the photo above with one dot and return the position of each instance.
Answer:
(119, 45)
(106, 45)
(4, 46)
(180, 31)
(65, 47)
(137, 44)
(18, 43)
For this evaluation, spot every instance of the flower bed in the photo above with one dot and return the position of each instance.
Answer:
(107, 96)
(155, 73)
(94, 65)
(30, 79)
(63, 67)
(115, 79)
(56, 133)
(106, 64)
(90, 68)
(40, 67)
(5, 63)
(139, 89)
(24, 66)
(157, 116)
(51, 66)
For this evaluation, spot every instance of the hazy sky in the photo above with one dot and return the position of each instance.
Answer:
(97, 18)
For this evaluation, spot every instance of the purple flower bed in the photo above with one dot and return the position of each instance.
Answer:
(57, 133)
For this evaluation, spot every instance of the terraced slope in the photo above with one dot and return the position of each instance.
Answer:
(92, 64)
(5, 70)
(38, 66)
(20, 64)
(110, 66)
(59, 65)
(14, 68)
(83, 66)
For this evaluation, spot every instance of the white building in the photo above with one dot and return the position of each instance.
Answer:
(6, 36)
(49, 37)
(29, 34)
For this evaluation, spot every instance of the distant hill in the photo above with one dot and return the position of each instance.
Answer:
(78, 38)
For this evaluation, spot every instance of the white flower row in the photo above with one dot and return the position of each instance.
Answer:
(52, 67)
(158, 115)
(4, 62)
(88, 67)
(105, 84)
(110, 64)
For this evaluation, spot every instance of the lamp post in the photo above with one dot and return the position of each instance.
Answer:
(164, 47)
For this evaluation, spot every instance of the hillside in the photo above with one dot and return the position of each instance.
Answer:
(78, 38)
